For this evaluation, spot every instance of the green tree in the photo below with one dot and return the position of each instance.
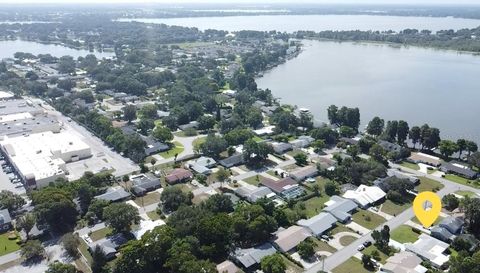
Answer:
(71, 242)
(402, 131)
(54, 206)
(148, 111)
(462, 146)
(377, 152)
(213, 146)
(218, 203)
(256, 152)
(301, 159)
(318, 145)
(66, 65)
(26, 222)
(58, 267)
(32, 249)
(120, 216)
(273, 264)
(129, 112)
(447, 148)
(450, 202)
(382, 237)
(367, 262)
(375, 126)
(215, 234)
(332, 188)
(471, 207)
(252, 225)
(162, 134)
(415, 135)
(346, 131)
(306, 249)
(11, 201)
(471, 147)
(464, 263)
(99, 261)
(222, 174)
(474, 159)
(206, 122)
(173, 197)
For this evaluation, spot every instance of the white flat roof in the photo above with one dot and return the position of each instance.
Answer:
(17, 116)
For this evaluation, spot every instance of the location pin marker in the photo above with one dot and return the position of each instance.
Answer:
(427, 206)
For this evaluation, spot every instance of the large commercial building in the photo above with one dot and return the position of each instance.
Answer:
(41, 158)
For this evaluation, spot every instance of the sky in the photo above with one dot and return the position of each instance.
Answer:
(429, 2)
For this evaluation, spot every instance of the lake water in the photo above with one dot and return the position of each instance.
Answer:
(292, 23)
(8, 48)
(441, 88)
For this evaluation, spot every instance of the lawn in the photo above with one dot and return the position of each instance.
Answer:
(291, 267)
(177, 149)
(100, 234)
(415, 220)
(314, 206)
(7, 246)
(254, 180)
(466, 193)
(461, 180)
(340, 228)
(404, 234)
(427, 184)
(392, 208)
(83, 248)
(352, 265)
(153, 215)
(148, 199)
(346, 240)
(368, 219)
(197, 142)
(383, 257)
(257, 138)
(322, 246)
(409, 165)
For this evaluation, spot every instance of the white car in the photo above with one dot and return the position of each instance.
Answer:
(360, 248)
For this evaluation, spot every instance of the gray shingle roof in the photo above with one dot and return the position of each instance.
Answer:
(114, 194)
(319, 223)
(341, 208)
(250, 256)
(5, 217)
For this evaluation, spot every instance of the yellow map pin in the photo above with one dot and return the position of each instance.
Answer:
(427, 206)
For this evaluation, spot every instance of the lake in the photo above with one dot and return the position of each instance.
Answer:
(8, 48)
(292, 23)
(419, 85)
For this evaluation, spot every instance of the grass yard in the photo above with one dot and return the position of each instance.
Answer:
(352, 265)
(368, 219)
(148, 199)
(415, 220)
(177, 149)
(404, 234)
(392, 208)
(257, 138)
(291, 267)
(466, 193)
(346, 240)
(83, 248)
(427, 184)
(463, 181)
(197, 142)
(100, 234)
(7, 245)
(410, 165)
(340, 228)
(314, 206)
(153, 215)
(322, 246)
(382, 256)
(254, 180)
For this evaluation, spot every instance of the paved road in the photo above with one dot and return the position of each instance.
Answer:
(345, 253)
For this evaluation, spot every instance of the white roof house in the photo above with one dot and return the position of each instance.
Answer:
(287, 239)
(318, 224)
(41, 158)
(430, 249)
(365, 195)
(403, 262)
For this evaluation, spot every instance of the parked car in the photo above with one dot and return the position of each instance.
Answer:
(367, 244)
(360, 248)
(325, 237)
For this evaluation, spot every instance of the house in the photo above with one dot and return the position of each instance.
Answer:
(429, 249)
(349, 141)
(460, 169)
(453, 224)
(234, 160)
(425, 159)
(403, 262)
(153, 146)
(302, 142)
(202, 165)
(227, 267)
(325, 162)
(281, 147)
(254, 194)
(442, 234)
(268, 130)
(286, 187)
(109, 245)
(178, 175)
(144, 183)
(288, 239)
(390, 147)
(401, 175)
(304, 173)
(5, 220)
(340, 208)
(365, 196)
(252, 256)
(114, 194)
(318, 224)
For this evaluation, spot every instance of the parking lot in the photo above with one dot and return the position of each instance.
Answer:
(8, 179)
